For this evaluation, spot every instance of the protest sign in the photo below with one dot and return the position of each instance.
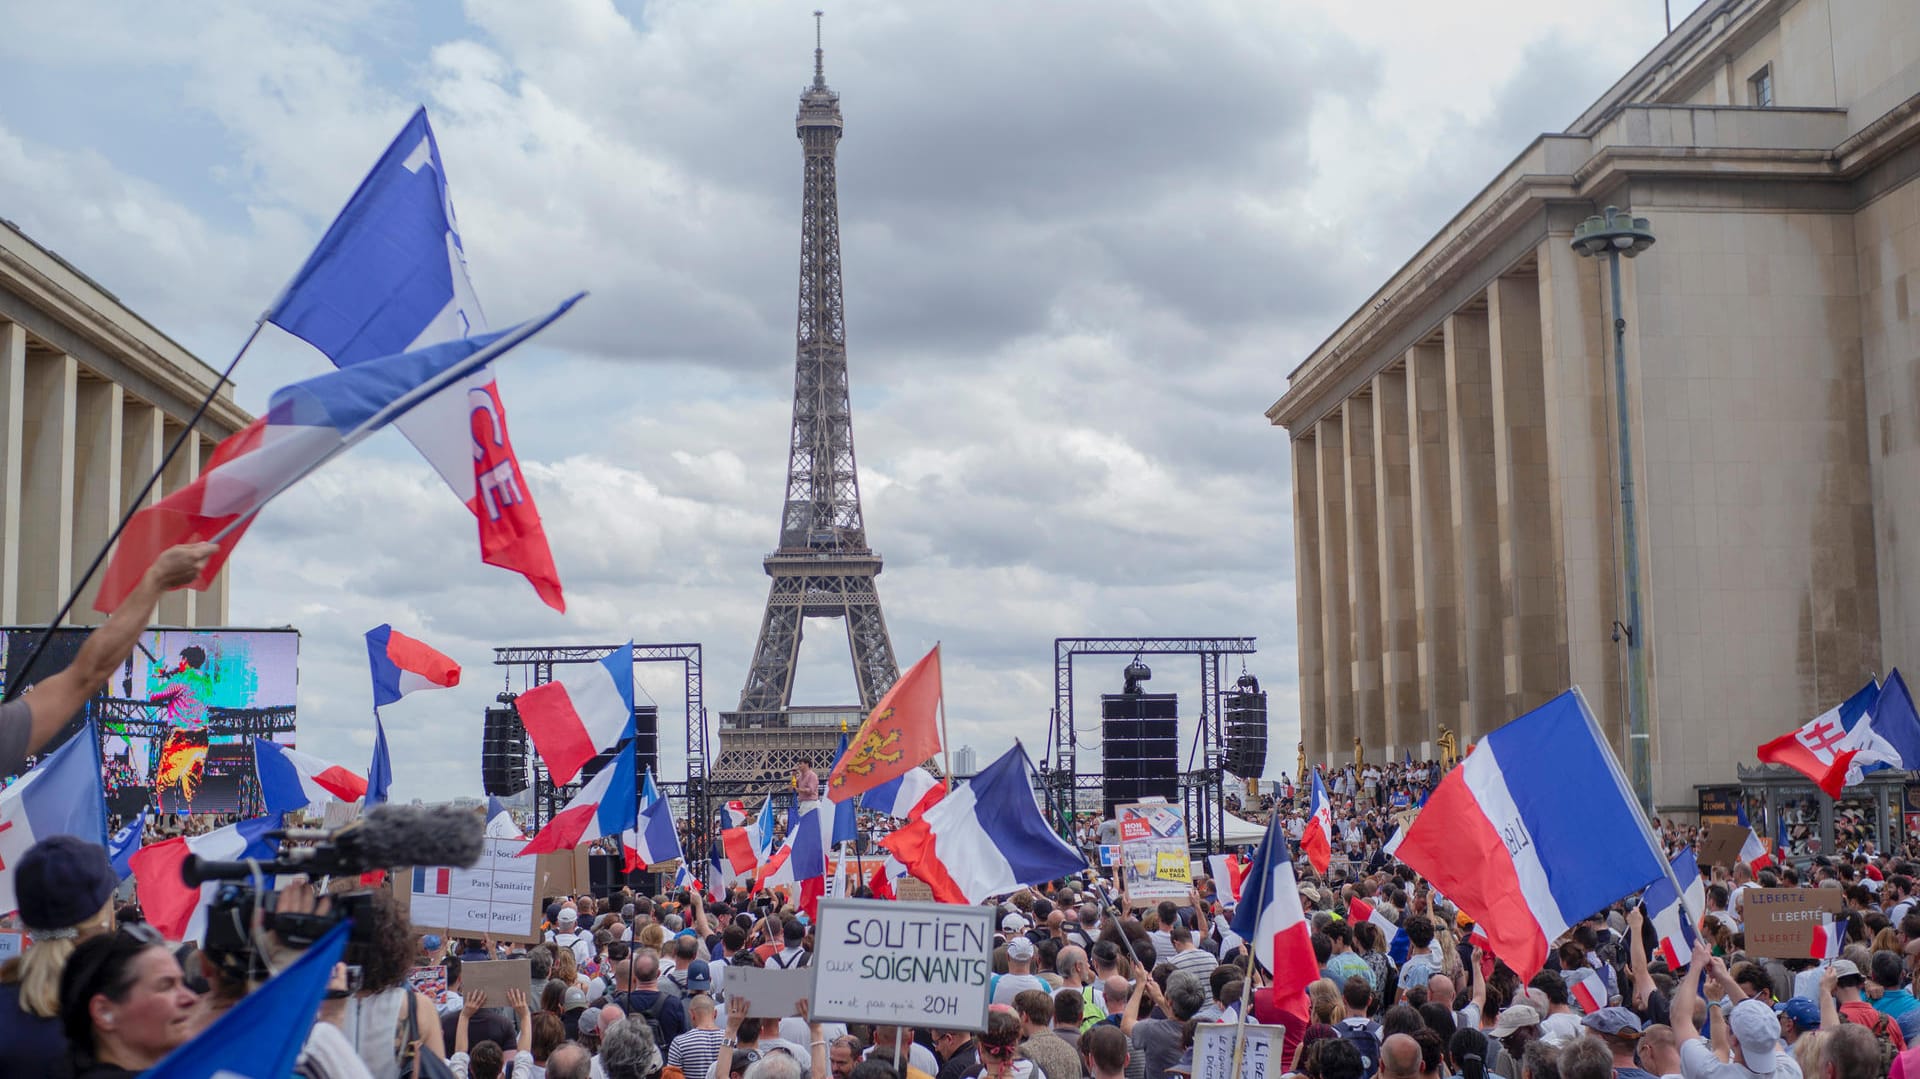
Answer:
(769, 990)
(1152, 835)
(923, 965)
(1173, 866)
(495, 976)
(10, 945)
(913, 890)
(563, 872)
(1259, 1057)
(1780, 921)
(495, 896)
(1722, 844)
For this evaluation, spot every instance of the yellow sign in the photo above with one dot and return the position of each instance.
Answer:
(1173, 866)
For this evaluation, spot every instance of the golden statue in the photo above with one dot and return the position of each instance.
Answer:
(1359, 756)
(1449, 749)
(1303, 764)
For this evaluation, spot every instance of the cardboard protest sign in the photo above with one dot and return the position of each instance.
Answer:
(1152, 835)
(496, 896)
(769, 990)
(923, 965)
(563, 872)
(1780, 921)
(1213, 1052)
(495, 976)
(1722, 845)
(913, 890)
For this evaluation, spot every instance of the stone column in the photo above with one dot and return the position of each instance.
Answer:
(1578, 404)
(46, 484)
(1336, 616)
(1532, 623)
(98, 457)
(1363, 577)
(1475, 522)
(178, 608)
(13, 411)
(1435, 588)
(142, 444)
(1399, 671)
(1306, 576)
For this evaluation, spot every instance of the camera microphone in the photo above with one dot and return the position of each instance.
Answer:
(385, 837)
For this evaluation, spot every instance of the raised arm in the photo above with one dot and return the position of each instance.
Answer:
(1637, 956)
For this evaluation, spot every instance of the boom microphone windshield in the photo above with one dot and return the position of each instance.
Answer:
(387, 836)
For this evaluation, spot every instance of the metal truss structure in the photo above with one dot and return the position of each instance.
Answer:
(537, 662)
(1201, 781)
(136, 718)
(823, 567)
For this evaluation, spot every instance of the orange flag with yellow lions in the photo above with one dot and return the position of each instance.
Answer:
(901, 734)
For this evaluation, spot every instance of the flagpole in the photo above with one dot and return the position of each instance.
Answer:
(20, 681)
(1246, 1003)
(946, 761)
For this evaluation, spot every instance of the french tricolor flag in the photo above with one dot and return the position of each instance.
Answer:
(402, 665)
(1829, 937)
(1501, 838)
(987, 838)
(176, 910)
(1672, 913)
(654, 838)
(1753, 851)
(290, 779)
(904, 796)
(62, 795)
(586, 708)
(1316, 839)
(607, 805)
(432, 880)
(1229, 872)
(1271, 919)
(1587, 990)
(1399, 944)
(802, 859)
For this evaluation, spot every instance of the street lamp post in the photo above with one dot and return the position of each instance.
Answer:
(1614, 233)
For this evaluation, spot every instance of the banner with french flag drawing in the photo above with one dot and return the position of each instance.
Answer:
(290, 779)
(62, 795)
(390, 275)
(1501, 839)
(307, 425)
(403, 665)
(986, 838)
(586, 708)
(432, 880)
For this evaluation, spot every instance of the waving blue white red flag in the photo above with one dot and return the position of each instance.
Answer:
(586, 708)
(607, 805)
(1316, 838)
(62, 795)
(654, 837)
(291, 780)
(986, 838)
(1501, 839)
(307, 425)
(1270, 918)
(1671, 913)
(403, 665)
(390, 275)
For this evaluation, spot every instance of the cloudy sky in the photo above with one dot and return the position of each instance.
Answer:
(1084, 243)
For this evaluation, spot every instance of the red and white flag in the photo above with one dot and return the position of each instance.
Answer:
(1814, 751)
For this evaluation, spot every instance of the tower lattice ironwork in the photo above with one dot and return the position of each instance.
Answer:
(823, 567)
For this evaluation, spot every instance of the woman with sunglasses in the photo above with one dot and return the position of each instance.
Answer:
(124, 1004)
(65, 889)
(1000, 1049)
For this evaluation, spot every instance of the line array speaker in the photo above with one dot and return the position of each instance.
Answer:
(1139, 747)
(503, 752)
(1245, 733)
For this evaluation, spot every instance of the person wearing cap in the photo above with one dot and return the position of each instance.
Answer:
(1512, 1031)
(1849, 991)
(565, 934)
(1002, 988)
(1749, 1027)
(1620, 1029)
(31, 720)
(1800, 1016)
(64, 886)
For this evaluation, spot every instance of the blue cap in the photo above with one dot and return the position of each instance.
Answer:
(1804, 1013)
(431, 941)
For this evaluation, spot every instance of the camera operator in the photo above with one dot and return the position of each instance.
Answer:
(65, 889)
(124, 1004)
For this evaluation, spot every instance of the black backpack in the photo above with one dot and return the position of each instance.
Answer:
(651, 1015)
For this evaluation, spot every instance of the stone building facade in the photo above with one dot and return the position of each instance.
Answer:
(90, 397)
(1455, 478)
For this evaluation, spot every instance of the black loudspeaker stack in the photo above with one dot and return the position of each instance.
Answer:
(1139, 747)
(1245, 718)
(646, 724)
(503, 752)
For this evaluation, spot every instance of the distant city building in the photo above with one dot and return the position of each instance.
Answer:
(1455, 455)
(965, 761)
(91, 395)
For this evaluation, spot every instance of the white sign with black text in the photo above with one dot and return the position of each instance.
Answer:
(922, 965)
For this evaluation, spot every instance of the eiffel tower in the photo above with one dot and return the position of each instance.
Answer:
(823, 568)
